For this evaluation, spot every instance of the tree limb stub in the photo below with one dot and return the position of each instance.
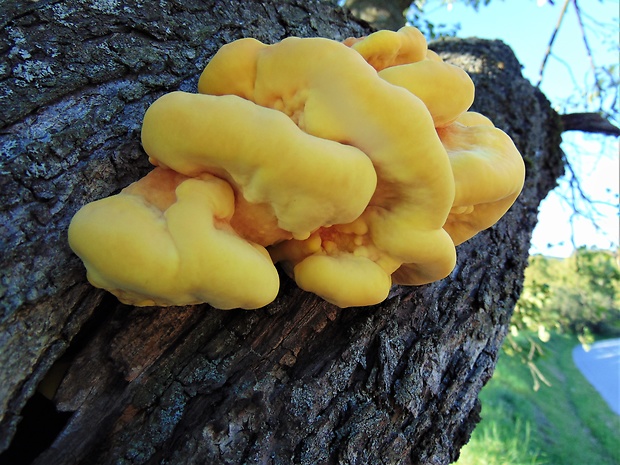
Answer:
(589, 122)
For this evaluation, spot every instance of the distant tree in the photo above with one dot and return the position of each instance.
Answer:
(579, 294)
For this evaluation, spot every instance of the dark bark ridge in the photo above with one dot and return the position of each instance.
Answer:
(299, 381)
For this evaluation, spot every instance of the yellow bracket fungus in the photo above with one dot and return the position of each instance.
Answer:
(355, 165)
(162, 238)
(488, 174)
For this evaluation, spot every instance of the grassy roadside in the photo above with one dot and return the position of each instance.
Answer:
(565, 423)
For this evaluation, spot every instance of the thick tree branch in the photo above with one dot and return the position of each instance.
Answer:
(589, 122)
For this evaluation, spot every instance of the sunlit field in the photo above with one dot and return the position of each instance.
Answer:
(565, 423)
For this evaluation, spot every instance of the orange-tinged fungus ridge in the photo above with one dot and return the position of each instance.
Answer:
(355, 165)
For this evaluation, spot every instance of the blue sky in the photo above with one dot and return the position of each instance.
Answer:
(527, 28)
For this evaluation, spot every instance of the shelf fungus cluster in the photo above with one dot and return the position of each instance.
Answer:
(354, 165)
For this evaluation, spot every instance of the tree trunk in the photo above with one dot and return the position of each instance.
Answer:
(299, 381)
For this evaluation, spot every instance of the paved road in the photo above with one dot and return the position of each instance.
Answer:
(601, 366)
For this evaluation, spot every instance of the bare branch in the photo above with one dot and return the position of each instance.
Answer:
(589, 122)
(587, 45)
(550, 45)
(580, 203)
(569, 70)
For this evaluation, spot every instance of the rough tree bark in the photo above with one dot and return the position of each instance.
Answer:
(299, 381)
(380, 14)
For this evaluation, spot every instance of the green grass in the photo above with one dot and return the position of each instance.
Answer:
(563, 424)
